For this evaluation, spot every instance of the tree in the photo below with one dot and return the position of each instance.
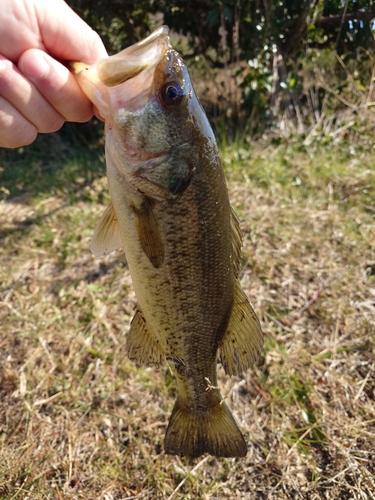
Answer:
(271, 40)
(120, 23)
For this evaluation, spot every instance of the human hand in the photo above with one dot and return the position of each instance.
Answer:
(37, 92)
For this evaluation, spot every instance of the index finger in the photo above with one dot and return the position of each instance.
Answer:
(56, 84)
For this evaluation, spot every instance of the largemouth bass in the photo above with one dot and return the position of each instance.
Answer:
(170, 212)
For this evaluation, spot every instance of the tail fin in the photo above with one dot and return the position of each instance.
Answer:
(215, 432)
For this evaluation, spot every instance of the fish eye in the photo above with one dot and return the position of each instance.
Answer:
(172, 93)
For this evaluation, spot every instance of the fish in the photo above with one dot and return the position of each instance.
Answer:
(170, 212)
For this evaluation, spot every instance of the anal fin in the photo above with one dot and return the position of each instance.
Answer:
(243, 339)
(107, 237)
(141, 345)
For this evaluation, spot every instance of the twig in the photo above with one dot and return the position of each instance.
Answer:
(337, 329)
(309, 138)
(278, 323)
(40, 402)
(350, 77)
(341, 129)
(338, 96)
(364, 383)
(302, 437)
(341, 24)
(331, 479)
(48, 354)
(187, 476)
(371, 87)
(308, 304)
(20, 489)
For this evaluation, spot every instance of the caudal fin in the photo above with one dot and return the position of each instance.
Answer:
(216, 433)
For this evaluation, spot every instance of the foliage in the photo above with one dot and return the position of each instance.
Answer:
(270, 48)
(119, 22)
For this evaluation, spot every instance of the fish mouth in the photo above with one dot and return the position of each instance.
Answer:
(130, 75)
(130, 62)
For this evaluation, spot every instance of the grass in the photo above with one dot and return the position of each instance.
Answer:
(78, 420)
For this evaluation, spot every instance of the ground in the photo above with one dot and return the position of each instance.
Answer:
(78, 420)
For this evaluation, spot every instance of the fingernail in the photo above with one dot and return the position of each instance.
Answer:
(33, 65)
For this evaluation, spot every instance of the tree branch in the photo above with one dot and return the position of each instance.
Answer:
(298, 28)
(359, 15)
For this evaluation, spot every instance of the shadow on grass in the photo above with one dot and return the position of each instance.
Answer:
(22, 227)
(54, 162)
(61, 164)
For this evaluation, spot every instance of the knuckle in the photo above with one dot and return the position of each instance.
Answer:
(29, 137)
(16, 139)
(6, 67)
(76, 111)
(15, 130)
(85, 116)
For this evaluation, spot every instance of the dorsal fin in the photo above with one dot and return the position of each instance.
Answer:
(107, 237)
(236, 242)
(243, 340)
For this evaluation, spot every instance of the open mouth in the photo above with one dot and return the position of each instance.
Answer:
(127, 79)
(130, 62)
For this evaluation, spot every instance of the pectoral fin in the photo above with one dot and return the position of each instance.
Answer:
(149, 234)
(107, 236)
(141, 345)
(243, 339)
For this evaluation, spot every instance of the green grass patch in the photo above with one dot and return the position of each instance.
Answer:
(80, 420)
(54, 163)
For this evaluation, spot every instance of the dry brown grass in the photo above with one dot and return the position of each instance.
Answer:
(78, 420)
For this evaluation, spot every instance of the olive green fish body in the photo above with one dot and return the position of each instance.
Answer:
(171, 213)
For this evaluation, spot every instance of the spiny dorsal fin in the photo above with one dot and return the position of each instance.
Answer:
(107, 236)
(236, 242)
(141, 345)
(149, 234)
(243, 339)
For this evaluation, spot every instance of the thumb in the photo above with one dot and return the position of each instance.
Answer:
(65, 35)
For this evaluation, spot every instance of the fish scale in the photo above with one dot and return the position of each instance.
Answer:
(170, 211)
